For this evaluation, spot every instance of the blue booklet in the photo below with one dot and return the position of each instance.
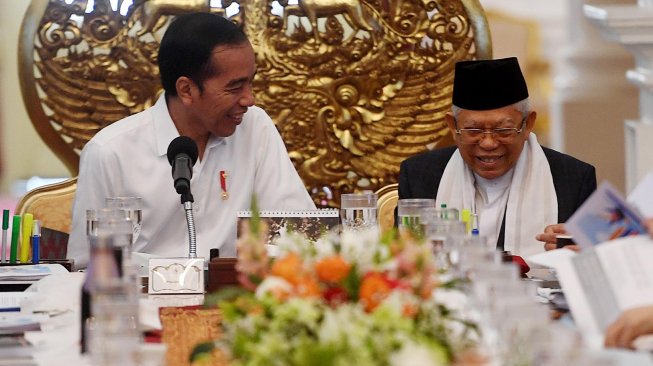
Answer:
(603, 217)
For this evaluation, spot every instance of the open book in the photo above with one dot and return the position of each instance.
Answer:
(601, 282)
(614, 270)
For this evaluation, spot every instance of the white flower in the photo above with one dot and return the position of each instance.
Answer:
(397, 301)
(360, 247)
(273, 285)
(346, 323)
(290, 242)
(415, 354)
(301, 310)
(324, 248)
(331, 329)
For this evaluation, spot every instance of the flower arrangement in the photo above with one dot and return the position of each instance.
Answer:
(348, 299)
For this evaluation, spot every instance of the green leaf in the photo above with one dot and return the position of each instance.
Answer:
(230, 293)
(201, 352)
(352, 283)
(255, 222)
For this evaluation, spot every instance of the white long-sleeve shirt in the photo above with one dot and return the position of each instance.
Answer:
(128, 158)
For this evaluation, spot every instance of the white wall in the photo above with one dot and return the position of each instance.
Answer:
(22, 151)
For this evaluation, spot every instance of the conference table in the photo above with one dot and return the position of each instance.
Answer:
(172, 324)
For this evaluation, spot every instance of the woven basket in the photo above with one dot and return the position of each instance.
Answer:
(184, 328)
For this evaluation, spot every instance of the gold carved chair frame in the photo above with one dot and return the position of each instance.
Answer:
(354, 87)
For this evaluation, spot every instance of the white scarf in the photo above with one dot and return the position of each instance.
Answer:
(532, 201)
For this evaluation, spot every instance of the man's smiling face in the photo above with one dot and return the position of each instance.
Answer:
(489, 157)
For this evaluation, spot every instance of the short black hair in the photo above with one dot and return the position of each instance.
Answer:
(187, 44)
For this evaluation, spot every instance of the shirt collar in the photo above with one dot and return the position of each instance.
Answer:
(165, 130)
(496, 184)
(215, 141)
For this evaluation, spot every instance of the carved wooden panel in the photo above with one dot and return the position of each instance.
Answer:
(354, 87)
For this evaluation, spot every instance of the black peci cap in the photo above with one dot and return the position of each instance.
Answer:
(488, 84)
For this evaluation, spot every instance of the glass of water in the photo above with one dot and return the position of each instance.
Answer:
(113, 329)
(133, 206)
(358, 211)
(116, 225)
(409, 212)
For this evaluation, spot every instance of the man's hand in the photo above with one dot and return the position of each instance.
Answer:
(549, 237)
(649, 226)
(630, 325)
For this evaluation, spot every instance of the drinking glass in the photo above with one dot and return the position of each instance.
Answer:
(133, 206)
(358, 211)
(475, 252)
(446, 238)
(113, 224)
(113, 329)
(91, 222)
(409, 212)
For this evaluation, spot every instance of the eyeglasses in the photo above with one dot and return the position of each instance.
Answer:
(501, 135)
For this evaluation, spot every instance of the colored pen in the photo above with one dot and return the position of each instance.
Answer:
(28, 221)
(36, 241)
(5, 227)
(15, 233)
(475, 221)
(7, 310)
(466, 217)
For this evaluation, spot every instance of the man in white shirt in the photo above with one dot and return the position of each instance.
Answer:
(497, 168)
(207, 66)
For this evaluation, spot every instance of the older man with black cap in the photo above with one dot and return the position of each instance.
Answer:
(497, 168)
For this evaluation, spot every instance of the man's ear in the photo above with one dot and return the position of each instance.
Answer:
(451, 122)
(186, 90)
(530, 121)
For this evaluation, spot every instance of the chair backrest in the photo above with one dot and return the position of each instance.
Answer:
(385, 205)
(52, 205)
(351, 98)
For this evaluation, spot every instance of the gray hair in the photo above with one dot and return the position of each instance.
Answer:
(523, 106)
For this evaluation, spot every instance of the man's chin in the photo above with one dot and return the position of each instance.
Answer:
(489, 174)
(225, 132)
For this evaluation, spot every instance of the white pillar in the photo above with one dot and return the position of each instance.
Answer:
(632, 27)
(591, 98)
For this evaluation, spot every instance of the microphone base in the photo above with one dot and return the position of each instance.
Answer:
(176, 276)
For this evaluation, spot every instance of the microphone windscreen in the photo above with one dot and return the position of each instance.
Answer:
(182, 145)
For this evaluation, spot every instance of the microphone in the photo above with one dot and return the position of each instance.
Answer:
(182, 155)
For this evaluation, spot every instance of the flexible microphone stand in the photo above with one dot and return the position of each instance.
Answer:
(182, 155)
(187, 201)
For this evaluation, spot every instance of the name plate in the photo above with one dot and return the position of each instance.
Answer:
(176, 276)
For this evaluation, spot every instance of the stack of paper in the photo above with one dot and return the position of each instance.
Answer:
(10, 301)
(17, 323)
(29, 272)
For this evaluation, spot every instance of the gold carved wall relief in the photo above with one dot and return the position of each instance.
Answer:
(354, 87)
